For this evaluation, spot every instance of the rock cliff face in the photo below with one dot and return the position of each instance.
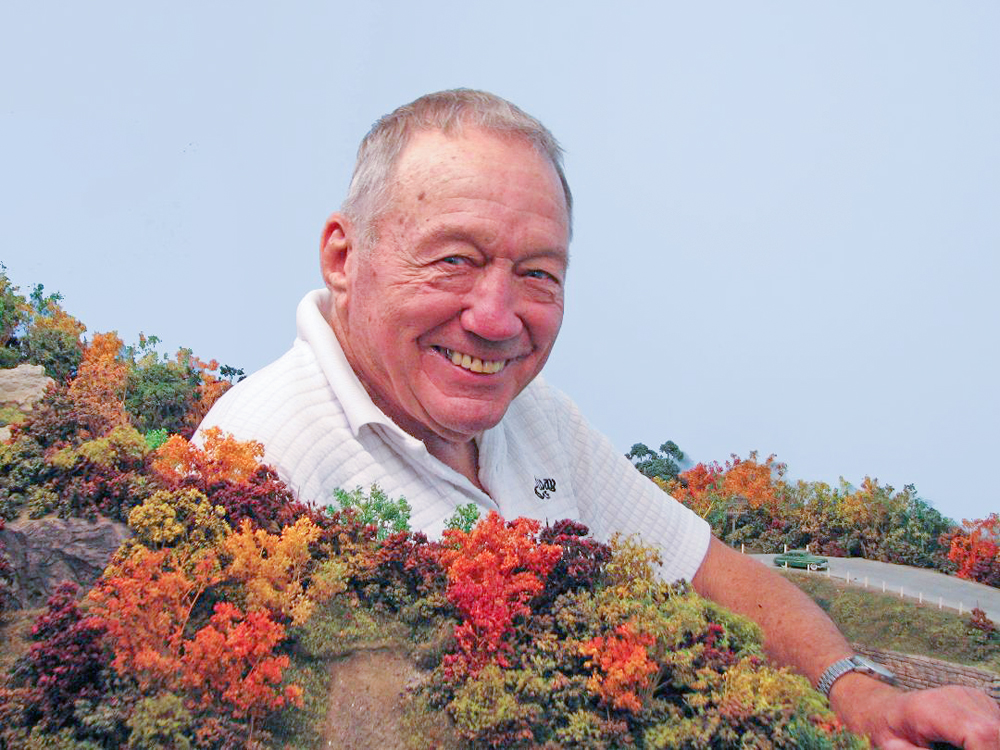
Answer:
(22, 386)
(20, 389)
(48, 551)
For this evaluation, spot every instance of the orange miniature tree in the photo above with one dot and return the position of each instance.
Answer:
(146, 607)
(279, 573)
(222, 459)
(714, 490)
(227, 664)
(99, 386)
(621, 666)
(210, 386)
(230, 663)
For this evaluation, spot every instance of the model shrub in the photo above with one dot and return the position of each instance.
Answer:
(376, 509)
(214, 624)
(530, 636)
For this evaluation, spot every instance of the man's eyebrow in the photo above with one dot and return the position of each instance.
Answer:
(446, 233)
(481, 238)
(558, 253)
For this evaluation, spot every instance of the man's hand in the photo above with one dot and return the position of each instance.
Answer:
(895, 720)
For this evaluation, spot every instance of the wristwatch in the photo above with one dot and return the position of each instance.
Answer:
(854, 663)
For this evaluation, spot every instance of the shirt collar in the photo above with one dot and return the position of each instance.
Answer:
(313, 328)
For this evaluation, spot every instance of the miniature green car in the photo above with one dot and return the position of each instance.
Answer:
(800, 558)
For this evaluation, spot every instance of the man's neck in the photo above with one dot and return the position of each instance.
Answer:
(462, 456)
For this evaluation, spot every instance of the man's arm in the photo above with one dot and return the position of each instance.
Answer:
(798, 633)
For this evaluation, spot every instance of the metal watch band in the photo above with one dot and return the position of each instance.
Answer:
(853, 663)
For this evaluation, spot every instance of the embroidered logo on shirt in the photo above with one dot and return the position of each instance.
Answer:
(544, 487)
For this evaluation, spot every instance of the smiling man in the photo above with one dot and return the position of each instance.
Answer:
(454, 309)
(417, 367)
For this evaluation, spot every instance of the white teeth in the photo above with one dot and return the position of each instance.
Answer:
(473, 364)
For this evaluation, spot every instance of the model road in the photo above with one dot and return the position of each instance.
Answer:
(934, 586)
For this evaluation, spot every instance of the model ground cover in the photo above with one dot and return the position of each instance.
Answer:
(217, 623)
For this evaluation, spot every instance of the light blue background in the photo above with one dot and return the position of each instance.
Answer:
(787, 229)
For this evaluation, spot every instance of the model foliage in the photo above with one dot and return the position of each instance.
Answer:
(527, 636)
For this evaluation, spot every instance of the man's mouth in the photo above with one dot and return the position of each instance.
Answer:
(468, 362)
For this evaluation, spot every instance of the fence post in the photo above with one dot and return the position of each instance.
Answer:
(940, 602)
(883, 587)
(921, 597)
(900, 592)
(866, 581)
(960, 609)
(743, 549)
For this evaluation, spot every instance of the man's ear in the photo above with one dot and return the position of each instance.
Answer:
(335, 248)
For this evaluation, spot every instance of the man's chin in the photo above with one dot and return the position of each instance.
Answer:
(467, 424)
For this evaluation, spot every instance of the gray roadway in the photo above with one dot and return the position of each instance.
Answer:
(935, 586)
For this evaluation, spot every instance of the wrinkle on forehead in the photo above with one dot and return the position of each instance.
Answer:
(431, 164)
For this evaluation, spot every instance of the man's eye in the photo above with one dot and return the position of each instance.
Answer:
(454, 260)
(539, 274)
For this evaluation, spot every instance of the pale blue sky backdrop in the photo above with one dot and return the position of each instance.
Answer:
(787, 231)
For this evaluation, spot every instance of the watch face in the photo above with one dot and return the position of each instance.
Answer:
(873, 668)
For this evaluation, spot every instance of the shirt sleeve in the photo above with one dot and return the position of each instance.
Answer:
(613, 496)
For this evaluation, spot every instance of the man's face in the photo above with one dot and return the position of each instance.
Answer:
(456, 308)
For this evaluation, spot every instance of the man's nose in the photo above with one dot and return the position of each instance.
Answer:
(491, 306)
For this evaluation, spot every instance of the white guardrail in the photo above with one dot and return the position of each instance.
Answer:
(918, 596)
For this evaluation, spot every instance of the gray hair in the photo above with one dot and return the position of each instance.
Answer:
(370, 194)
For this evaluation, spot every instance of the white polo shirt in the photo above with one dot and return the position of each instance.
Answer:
(321, 431)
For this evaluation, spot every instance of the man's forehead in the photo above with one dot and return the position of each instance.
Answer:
(432, 159)
(436, 148)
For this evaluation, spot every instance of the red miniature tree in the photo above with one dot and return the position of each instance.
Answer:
(974, 549)
(622, 666)
(493, 573)
(67, 658)
(694, 485)
(230, 662)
